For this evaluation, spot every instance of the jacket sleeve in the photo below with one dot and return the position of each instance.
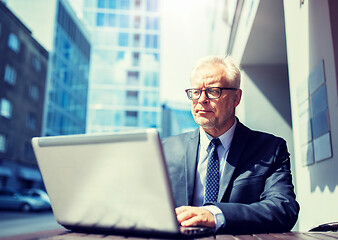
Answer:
(275, 210)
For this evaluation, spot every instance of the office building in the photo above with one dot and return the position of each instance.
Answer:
(176, 119)
(23, 71)
(57, 27)
(124, 76)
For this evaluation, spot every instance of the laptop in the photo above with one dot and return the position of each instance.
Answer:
(113, 183)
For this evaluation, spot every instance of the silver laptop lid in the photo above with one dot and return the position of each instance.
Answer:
(111, 180)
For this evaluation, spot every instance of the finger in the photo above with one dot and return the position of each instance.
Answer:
(197, 217)
(197, 221)
(194, 221)
(185, 214)
(181, 209)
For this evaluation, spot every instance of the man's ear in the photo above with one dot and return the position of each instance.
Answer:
(238, 97)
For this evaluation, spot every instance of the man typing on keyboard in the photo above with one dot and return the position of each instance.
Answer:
(223, 174)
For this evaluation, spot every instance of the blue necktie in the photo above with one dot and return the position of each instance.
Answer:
(212, 177)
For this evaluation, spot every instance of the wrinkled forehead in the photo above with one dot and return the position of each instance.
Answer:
(209, 74)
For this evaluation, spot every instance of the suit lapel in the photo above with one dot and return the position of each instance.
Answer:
(236, 149)
(191, 165)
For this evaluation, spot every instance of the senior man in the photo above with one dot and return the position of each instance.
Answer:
(225, 175)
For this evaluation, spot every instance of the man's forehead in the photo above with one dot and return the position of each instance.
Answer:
(208, 75)
(209, 70)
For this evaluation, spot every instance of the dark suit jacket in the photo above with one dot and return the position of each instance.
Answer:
(256, 195)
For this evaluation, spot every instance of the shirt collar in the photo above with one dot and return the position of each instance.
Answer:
(225, 138)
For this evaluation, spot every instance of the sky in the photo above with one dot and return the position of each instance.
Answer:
(184, 39)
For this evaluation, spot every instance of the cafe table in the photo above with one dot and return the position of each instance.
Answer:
(63, 234)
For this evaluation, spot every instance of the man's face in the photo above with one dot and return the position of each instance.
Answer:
(215, 116)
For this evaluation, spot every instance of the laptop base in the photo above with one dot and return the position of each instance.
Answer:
(185, 232)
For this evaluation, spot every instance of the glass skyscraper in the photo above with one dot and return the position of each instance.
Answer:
(125, 64)
(68, 86)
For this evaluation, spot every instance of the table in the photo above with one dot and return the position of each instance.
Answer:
(63, 234)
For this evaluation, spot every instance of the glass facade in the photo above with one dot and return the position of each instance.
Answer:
(68, 85)
(125, 64)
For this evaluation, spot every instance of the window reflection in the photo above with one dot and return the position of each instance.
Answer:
(132, 78)
(13, 42)
(10, 75)
(5, 108)
(131, 118)
(152, 23)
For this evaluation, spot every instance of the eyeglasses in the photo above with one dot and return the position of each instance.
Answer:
(211, 93)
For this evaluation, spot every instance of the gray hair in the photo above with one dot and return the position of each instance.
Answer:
(231, 70)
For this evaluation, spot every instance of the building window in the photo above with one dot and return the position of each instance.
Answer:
(101, 3)
(149, 119)
(136, 59)
(125, 4)
(131, 118)
(5, 108)
(124, 21)
(152, 23)
(10, 75)
(151, 79)
(33, 92)
(112, 4)
(3, 143)
(100, 19)
(132, 98)
(151, 41)
(36, 63)
(111, 20)
(150, 99)
(152, 5)
(106, 19)
(132, 78)
(123, 39)
(137, 40)
(31, 121)
(106, 4)
(120, 55)
(137, 22)
(13, 42)
(137, 4)
(156, 57)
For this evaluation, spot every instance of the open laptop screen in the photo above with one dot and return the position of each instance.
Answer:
(112, 180)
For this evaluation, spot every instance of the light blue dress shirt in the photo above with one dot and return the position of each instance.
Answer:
(222, 151)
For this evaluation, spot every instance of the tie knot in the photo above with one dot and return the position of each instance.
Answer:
(215, 142)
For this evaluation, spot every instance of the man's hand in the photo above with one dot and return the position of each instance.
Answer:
(195, 216)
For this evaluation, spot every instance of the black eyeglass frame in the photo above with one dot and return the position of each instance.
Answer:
(206, 92)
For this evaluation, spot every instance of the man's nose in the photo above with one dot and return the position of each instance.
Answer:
(203, 97)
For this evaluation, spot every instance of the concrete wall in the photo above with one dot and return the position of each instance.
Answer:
(309, 42)
(277, 97)
(266, 101)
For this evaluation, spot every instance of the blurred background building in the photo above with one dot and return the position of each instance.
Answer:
(56, 26)
(44, 87)
(23, 71)
(176, 119)
(124, 91)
